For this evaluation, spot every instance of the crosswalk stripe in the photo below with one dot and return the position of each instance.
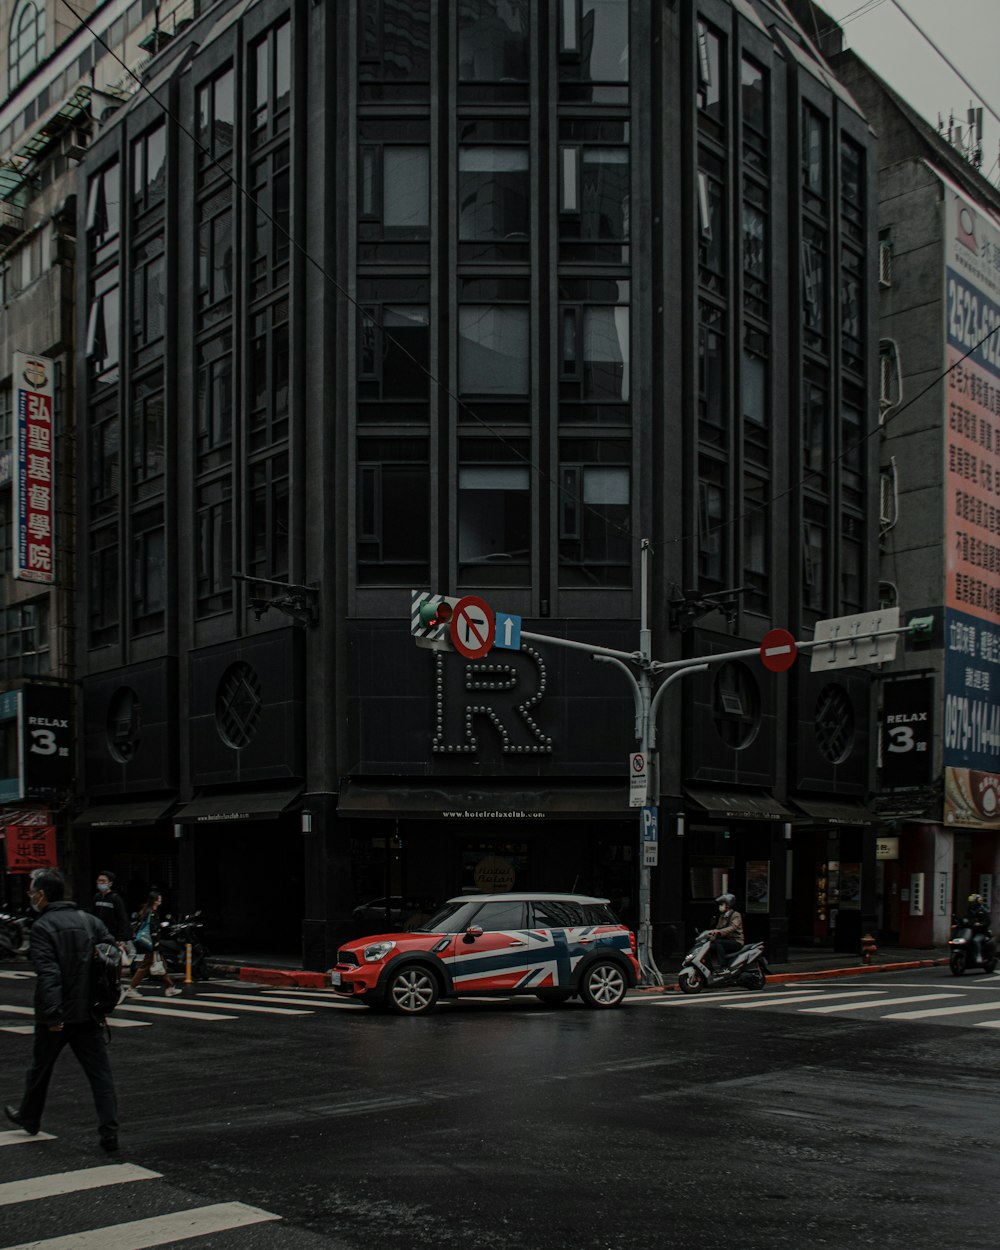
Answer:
(941, 1011)
(72, 1182)
(17, 1028)
(988, 1024)
(9, 975)
(787, 1000)
(297, 1002)
(13, 1009)
(722, 1000)
(171, 1011)
(160, 1230)
(17, 1137)
(268, 1011)
(879, 1002)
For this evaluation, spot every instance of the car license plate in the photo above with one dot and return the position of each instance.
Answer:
(334, 978)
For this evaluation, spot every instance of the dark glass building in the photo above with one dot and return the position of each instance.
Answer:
(472, 297)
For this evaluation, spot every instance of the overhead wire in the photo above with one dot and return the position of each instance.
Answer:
(730, 523)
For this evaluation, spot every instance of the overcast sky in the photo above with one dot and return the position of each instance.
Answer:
(966, 31)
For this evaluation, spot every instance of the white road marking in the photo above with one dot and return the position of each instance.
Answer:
(160, 1230)
(132, 1005)
(708, 999)
(17, 1028)
(13, 1010)
(788, 1000)
(18, 1137)
(267, 1011)
(9, 975)
(297, 1002)
(941, 1011)
(72, 1182)
(880, 1002)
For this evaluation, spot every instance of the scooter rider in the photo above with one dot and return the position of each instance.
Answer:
(728, 933)
(978, 915)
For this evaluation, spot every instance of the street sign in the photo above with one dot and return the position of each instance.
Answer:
(848, 641)
(508, 636)
(778, 650)
(650, 837)
(432, 633)
(637, 779)
(473, 627)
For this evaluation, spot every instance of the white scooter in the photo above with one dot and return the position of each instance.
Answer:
(746, 967)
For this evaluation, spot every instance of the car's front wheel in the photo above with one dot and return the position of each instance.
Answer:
(603, 984)
(412, 990)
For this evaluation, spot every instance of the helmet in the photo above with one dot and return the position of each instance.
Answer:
(976, 898)
(728, 899)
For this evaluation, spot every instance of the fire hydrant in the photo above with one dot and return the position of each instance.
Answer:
(868, 948)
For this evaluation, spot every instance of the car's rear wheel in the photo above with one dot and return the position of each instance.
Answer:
(412, 990)
(603, 984)
(554, 998)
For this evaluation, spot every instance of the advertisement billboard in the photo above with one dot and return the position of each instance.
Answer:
(34, 468)
(971, 729)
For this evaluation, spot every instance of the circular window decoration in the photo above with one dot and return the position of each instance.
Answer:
(124, 725)
(238, 705)
(834, 724)
(736, 705)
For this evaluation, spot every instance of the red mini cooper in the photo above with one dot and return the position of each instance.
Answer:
(554, 946)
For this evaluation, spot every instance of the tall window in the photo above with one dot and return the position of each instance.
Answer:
(711, 87)
(24, 641)
(493, 49)
(593, 51)
(148, 298)
(26, 41)
(216, 117)
(393, 190)
(494, 513)
(814, 158)
(494, 190)
(267, 517)
(595, 352)
(103, 566)
(393, 350)
(594, 191)
(214, 567)
(594, 513)
(713, 418)
(214, 427)
(393, 512)
(494, 345)
(394, 50)
(269, 243)
(147, 435)
(215, 256)
(754, 86)
(104, 329)
(269, 378)
(270, 84)
(756, 544)
(104, 213)
(148, 582)
(712, 525)
(149, 169)
(711, 221)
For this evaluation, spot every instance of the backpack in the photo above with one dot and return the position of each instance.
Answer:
(105, 971)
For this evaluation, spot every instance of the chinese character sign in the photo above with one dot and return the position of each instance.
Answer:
(34, 470)
(30, 847)
(972, 516)
(907, 732)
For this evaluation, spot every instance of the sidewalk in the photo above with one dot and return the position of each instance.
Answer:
(803, 963)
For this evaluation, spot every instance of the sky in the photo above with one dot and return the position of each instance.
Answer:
(966, 31)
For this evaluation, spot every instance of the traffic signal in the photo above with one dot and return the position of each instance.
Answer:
(922, 632)
(430, 617)
(920, 626)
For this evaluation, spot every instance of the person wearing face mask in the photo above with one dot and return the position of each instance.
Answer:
(728, 932)
(109, 906)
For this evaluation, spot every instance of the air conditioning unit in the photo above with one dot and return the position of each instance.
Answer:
(884, 263)
(11, 223)
(73, 143)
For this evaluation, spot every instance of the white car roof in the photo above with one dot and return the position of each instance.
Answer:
(539, 897)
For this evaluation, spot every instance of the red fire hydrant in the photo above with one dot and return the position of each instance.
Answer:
(868, 948)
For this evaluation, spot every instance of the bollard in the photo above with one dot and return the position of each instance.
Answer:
(187, 963)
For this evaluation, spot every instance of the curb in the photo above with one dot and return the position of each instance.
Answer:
(273, 976)
(818, 973)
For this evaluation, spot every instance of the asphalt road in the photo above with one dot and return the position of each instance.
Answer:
(837, 1113)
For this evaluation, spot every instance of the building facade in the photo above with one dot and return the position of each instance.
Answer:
(939, 327)
(472, 298)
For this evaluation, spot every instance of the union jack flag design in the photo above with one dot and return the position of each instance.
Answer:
(528, 958)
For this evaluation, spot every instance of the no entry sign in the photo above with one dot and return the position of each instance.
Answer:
(778, 650)
(473, 627)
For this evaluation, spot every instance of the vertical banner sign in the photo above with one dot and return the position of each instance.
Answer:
(971, 730)
(34, 469)
(907, 732)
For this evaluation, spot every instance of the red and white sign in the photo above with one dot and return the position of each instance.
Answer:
(30, 847)
(473, 627)
(778, 650)
(34, 470)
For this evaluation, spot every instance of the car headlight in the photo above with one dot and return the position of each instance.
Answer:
(377, 951)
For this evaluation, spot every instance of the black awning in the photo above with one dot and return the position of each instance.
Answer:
(486, 802)
(834, 811)
(125, 813)
(216, 809)
(738, 804)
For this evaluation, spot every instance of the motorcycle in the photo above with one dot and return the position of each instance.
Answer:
(746, 967)
(14, 930)
(172, 941)
(969, 948)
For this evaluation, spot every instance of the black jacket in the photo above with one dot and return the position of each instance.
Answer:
(62, 945)
(110, 908)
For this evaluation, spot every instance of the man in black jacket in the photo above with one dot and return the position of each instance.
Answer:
(109, 906)
(62, 947)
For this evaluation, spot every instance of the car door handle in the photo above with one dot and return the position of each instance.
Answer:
(517, 943)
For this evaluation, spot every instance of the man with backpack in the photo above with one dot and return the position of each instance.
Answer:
(63, 941)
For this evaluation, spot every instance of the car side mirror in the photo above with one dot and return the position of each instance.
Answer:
(472, 932)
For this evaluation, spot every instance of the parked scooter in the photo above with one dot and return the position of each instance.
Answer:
(970, 946)
(174, 935)
(746, 967)
(14, 930)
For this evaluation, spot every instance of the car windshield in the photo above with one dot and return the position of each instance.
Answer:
(450, 918)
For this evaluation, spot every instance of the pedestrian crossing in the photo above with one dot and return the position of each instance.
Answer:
(210, 1006)
(937, 1003)
(171, 1225)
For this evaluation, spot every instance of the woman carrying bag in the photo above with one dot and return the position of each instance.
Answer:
(145, 945)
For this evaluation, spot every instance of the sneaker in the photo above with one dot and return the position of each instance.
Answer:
(173, 992)
(131, 993)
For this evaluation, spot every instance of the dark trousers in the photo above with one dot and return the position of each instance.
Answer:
(720, 948)
(87, 1042)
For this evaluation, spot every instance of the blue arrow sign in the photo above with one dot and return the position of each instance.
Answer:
(508, 635)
